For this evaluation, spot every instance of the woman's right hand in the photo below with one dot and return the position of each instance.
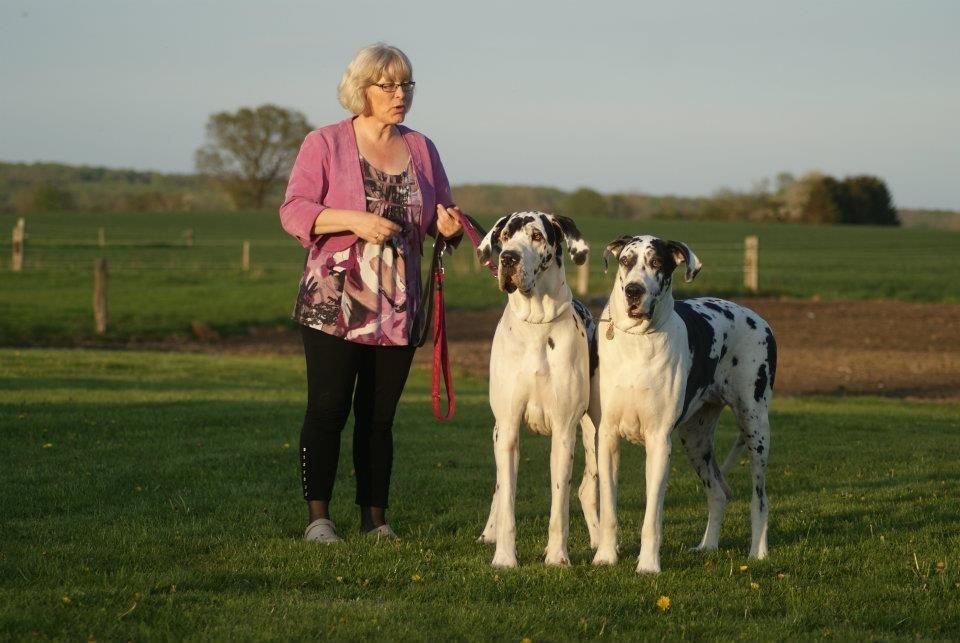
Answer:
(373, 228)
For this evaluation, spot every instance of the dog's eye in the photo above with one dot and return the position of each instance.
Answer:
(536, 236)
(624, 260)
(655, 264)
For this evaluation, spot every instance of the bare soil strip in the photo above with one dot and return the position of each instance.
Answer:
(887, 348)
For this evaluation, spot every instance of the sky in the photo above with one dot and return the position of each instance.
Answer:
(657, 97)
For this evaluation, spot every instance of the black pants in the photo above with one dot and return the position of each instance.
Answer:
(373, 376)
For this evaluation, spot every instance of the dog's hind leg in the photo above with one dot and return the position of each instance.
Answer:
(588, 492)
(697, 437)
(755, 431)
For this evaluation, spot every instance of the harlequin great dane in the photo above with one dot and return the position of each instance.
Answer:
(670, 365)
(540, 365)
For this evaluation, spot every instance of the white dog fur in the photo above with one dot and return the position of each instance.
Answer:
(539, 374)
(666, 366)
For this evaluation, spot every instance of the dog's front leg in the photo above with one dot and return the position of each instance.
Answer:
(489, 534)
(561, 466)
(506, 451)
(608, 465)
(658, 467)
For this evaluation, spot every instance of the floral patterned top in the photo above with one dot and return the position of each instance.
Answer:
(369, 293)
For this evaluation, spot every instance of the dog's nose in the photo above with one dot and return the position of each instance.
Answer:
(634, 291)
(509, 258)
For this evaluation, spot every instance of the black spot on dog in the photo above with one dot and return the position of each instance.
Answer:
(724, 311)
(759, 449)
(751, 322)
(550, 342)
(514, 225)
(771, 356)
(760, 386)
(759, 491)
(664, 253)
(735, 360)
(700, 337)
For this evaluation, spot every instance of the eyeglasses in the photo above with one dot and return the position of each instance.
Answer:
(391, 88)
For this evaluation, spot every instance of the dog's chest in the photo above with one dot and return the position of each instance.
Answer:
(641, 381)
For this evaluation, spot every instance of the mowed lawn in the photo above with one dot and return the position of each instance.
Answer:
(158, 285)
(155, 496)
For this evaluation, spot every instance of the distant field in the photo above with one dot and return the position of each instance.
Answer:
(150, 496)
(158, 285)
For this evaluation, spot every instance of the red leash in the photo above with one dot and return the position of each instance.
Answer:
(441, 356)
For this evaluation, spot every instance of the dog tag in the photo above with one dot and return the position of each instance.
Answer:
(610, 331)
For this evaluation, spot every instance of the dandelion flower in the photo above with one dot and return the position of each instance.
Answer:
(743, 568)
(754, 585)
(416, 578)
(66, 600)
(663, 603)
(48, 445)
(941, 565)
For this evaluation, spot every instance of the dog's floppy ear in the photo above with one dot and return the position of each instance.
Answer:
(489, 246)
(576, 246)
(683, 254)
(614, 248)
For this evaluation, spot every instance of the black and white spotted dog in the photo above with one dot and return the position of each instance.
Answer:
(670, 366)
(540, 365)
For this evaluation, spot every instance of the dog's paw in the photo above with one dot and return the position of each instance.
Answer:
(504, 559)
(648, 566)
(704, 547)
(558, 558)
(605, 557)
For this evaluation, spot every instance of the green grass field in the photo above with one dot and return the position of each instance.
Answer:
(150, 495)
(158, 285)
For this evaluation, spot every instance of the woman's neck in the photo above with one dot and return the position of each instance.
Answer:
(373, 130)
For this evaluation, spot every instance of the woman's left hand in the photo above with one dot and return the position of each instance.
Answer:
(448, 220)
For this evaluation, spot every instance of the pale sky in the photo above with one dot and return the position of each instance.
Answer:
(659, 97)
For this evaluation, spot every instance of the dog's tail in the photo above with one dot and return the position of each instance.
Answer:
(733, 456)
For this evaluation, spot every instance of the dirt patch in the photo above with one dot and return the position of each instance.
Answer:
(888, 348)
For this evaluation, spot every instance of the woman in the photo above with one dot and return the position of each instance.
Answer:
(362, 195)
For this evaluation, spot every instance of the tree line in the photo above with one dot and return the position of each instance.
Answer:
(244, 162)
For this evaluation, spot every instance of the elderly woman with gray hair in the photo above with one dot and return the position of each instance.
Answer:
(362, 195)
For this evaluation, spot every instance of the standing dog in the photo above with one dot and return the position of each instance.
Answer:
(666, 366)
(539, 373)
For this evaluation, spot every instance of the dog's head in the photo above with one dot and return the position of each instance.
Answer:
(645, 266)
(528, 245)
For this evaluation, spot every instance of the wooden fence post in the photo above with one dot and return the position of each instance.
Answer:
(583, 279)
(188, 235)
(100, 295)
(245, 258)
(102, 237)
(751, 263)
(16, 263)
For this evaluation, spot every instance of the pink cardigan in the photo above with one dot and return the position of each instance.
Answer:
(326, 174)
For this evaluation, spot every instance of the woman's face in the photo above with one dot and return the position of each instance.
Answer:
(388, 107)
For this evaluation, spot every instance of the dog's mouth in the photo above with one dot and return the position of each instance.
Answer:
(511, 281)
(635, 310)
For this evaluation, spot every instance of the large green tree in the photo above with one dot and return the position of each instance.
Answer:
(248, 151)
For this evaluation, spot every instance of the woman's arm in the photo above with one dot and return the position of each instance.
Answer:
(365, 225)
(303, 214)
